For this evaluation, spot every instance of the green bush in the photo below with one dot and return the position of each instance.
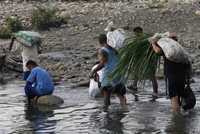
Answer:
(5, 33)
(12, 25)
(43, 18)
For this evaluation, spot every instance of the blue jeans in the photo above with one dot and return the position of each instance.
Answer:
(31, 91)
(26, 74)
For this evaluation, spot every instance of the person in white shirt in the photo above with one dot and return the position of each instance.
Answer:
(28, 53)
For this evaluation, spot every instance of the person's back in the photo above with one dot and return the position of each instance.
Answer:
(110, 65)
(38, 83)
(108, 61)
(43, 82)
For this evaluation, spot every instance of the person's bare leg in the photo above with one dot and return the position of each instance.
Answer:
(175, 104)
(106, 95)
(135, 82)
(123, 100)
(154, 84)
(155, 88)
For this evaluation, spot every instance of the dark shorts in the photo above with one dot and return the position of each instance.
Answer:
(175, 86)
(119, 89)
(31, 92)
(26, 74)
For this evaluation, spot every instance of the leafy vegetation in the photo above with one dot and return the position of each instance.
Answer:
(137, 60)
(5, 33)
(12, 25)
(43, 18)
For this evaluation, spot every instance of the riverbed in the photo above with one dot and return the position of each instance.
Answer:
(81, 115)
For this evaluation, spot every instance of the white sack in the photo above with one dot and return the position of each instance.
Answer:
(173, 50)
(116, 38)
(94, 90)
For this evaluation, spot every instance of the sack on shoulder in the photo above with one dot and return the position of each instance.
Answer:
(188, 99)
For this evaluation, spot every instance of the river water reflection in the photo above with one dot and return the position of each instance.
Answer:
(81, 115)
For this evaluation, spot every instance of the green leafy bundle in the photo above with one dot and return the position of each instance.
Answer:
(137, 60)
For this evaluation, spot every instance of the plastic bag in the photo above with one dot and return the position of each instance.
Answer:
(188, 100)
(94, 90)
(116, 38)
(173, 50)
(28, 38)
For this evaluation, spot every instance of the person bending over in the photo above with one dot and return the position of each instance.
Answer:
(176, 74)
(39, 82)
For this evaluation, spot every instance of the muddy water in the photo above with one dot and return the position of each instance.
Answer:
(81, 115)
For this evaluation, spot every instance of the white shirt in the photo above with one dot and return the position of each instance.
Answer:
(28, 53)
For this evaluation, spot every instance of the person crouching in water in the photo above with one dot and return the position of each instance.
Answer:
(38, 83)
(108, 61)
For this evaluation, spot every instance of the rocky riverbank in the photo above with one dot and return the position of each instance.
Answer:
(69, 52)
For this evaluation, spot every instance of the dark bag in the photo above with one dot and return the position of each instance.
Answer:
(188, 99)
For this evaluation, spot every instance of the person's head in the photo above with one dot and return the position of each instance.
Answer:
(31, 64)
(138, 31)
(102, 39)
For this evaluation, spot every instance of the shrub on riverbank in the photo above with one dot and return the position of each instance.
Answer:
(43, 18)
(12, 25)
(5, 33)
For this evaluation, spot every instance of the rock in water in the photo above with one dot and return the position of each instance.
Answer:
(50, 100)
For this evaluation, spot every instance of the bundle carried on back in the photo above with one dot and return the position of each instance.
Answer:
(173, 51)
(28, 38)
(137, 59)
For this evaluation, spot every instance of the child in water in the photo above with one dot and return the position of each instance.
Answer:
(108, 61)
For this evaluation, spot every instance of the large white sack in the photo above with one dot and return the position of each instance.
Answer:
(94, 90)
(116, 38)
(173, 50)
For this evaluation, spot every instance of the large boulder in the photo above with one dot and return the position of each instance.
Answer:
(49, 100)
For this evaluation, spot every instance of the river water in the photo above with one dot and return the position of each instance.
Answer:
(81, 115)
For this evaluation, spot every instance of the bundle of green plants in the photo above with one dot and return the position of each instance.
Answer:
(43, 18)
(137, 60)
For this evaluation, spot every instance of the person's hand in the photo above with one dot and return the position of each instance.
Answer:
(91, 74)
(96, 77)
(152, 40)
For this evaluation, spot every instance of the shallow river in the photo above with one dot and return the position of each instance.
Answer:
(81, 115)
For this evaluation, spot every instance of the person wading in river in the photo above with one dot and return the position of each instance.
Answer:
(39, 82)
(176, 74)
(139, 35)
(108, 61)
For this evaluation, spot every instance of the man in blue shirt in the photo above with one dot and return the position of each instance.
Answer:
(39, 82)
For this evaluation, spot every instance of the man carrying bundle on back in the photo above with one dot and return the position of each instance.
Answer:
(177, 69)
